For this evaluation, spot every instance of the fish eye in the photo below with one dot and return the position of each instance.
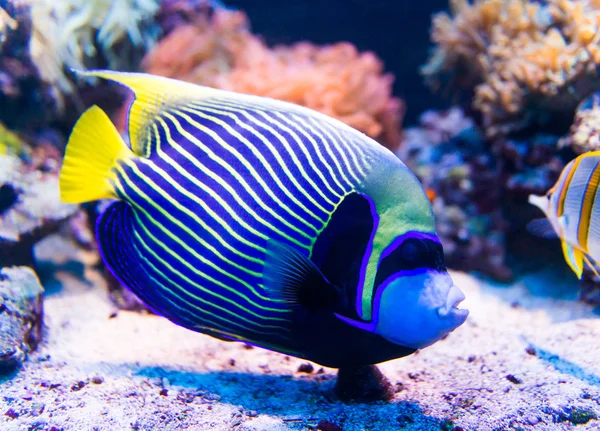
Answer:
(414, 251)
(410, 254)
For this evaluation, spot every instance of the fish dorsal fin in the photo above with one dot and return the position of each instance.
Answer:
(292, 277)
(574, 258)
(156, 95)
(153, 96)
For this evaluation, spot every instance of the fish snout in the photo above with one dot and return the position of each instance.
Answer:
(449, 310)
(539, 201)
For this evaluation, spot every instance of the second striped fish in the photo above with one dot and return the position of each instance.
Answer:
(572, 208)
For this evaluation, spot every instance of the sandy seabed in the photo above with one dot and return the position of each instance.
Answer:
(528, 357)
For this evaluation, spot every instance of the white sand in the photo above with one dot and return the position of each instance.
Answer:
(462, 378)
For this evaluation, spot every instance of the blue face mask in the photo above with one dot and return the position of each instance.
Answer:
(417, 308)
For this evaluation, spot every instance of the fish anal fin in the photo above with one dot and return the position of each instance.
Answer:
(592, 264)
(292, 277)
(115, 239)
(93, 150)
(153, 95)
(574, 258)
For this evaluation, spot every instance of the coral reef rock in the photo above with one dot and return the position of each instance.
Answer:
(24, 98)
(21, 315)
(30, 206)
(585, 132)
(449, 156)
(365, 384)
(525, 62)
(528, 166)
(217, 49)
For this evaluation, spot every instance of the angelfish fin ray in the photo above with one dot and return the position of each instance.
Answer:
(291, 277)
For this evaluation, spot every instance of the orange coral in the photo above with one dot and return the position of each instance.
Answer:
(519, 56)
(337, 80)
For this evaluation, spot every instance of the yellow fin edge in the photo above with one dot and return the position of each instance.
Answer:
(152, 96)
(574, 258)
(93, 150)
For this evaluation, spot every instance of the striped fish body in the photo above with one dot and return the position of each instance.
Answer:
(213, 182)
(572, 207)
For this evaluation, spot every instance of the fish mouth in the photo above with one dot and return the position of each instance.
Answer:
(450, 309)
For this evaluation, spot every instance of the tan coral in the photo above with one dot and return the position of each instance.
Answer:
(584, 135)
(336, 80)
(518, 56)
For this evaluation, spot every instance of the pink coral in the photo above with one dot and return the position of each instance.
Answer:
(221, 52)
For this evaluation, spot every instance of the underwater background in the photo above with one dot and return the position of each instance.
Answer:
(485, 101)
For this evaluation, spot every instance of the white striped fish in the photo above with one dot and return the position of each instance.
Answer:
(257, 220)
(573, 212)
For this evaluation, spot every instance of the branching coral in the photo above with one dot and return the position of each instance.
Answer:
(219, 50)
(521, 58)
(66, 33)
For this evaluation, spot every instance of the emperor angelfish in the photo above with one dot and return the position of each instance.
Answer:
(261, 221)
(572, 208)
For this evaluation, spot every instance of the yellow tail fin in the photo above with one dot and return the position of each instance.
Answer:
(94, 148)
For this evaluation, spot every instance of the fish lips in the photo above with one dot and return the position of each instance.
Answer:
(450, 311)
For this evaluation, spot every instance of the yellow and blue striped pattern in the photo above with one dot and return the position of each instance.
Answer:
(575, 205)
(221, 180)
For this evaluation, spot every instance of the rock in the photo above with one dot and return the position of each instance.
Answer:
(21, 314)
(363, 384)
(33, 213)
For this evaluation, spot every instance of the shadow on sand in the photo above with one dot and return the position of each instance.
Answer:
(47, 272)
(294, 399)
(7, 374)
(566, 367)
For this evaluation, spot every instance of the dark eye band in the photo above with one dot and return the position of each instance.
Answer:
(410, 254)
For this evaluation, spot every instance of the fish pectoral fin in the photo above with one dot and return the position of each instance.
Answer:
(93, 150)
(542, 228)
(574, 258)
(292, 277)
(154, 96)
